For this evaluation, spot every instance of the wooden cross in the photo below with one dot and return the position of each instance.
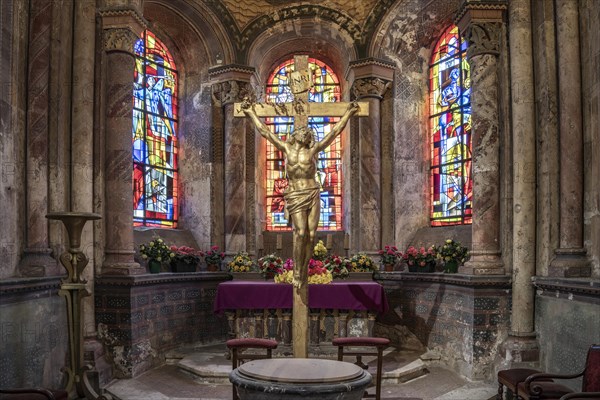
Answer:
(300, 109)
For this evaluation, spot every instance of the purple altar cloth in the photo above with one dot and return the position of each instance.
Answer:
(234, 295)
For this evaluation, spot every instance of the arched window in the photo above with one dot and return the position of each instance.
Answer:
(154, 135)
(450, 129)
(326, 89)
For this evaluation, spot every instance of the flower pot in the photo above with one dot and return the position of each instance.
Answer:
(182, 266)
(388, 267)
(429, 267)
(212, 267)
(154, 266)
(451, 266)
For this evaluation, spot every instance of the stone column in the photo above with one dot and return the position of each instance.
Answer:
(370, 79)
(484, 34)
(120, 31)
(36, 259)
(570, 259)
(232, 84)
(521, 341)
(82, 137)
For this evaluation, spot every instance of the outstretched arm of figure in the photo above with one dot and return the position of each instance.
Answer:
(248, 108)
(337, 128)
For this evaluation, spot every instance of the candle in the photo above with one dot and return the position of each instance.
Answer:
(279, 242)
(329, 241)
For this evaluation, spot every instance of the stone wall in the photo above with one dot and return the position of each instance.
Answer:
(463, 318)
(33, 333)
(567, 322)
(141, 317)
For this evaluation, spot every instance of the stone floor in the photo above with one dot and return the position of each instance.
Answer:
(201, 372)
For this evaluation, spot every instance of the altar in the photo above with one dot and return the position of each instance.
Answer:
(264, 309)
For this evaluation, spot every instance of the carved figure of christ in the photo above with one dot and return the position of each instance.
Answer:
(302, 195)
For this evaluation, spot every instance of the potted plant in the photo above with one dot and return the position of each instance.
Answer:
(389, 257)
(156, 252)
(452, 254)
(241, 266)
(361, 267)
(270, 265)
(420, 260)
(338, 266)
(185, 258)
(213, 258)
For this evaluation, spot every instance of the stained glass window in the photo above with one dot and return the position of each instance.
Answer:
(329, 172)
(450, 129)
(155, 179)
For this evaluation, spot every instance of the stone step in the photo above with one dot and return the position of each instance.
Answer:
(210, 365)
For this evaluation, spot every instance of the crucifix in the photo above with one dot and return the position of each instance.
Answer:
(302, 196)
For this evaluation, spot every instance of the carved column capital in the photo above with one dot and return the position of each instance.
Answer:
(370, 87)
(119, 39)
(483, 38)
(480, 22)
(121, 28)
(229, 92)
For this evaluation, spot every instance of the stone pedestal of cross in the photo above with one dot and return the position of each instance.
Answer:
(300, 109)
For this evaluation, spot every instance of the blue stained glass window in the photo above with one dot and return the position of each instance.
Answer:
(450, 131)
(154, 135)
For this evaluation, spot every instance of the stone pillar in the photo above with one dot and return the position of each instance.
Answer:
(232, 84)
(120, 31)
(521, 340)
(36, 259)
(484, 34)
(570, 259)
(370, 79)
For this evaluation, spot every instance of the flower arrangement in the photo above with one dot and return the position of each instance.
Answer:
(419, 258)
(156, 250)
(213, 256)
(186, 254)
(390, 255)
(318, 273)
(338, 266)
(453, 254)
(362, 263)
(286, 276)
(270, 265)
(241, 263)
(319, 251)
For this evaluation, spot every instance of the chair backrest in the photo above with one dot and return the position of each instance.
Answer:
(591, 374)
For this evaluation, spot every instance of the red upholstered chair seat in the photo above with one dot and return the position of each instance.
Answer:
(252, 343)
(361, 341)
(33, 394)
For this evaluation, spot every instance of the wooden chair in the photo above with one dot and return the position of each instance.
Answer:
(534, 388)
(33, 394)
(379, 343)
(238, 356)
(510, 378)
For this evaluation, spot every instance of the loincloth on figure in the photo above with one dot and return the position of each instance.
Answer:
(300, 200)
